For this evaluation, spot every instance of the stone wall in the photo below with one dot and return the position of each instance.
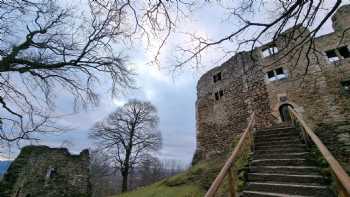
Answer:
(337, 138)
(312, 86)
(40, 171)
(219, 121)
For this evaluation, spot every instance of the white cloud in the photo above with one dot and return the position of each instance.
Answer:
(3, 158)
(117, 102)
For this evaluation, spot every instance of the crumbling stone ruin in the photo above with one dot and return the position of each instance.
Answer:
(256, 81)
(40, 171)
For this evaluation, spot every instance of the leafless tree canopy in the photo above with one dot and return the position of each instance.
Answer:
(49, 50)
(130, 134)
(251, 27)
(252, 23)
(47, 46)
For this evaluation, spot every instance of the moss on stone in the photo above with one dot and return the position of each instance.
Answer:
(27, 174)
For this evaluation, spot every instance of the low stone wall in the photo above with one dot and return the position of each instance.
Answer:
(41, 171)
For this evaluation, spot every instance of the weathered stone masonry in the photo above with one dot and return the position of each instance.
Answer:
(244, 84)
(40, 171)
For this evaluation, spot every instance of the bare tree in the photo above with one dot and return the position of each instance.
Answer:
(253, 23)
(47, 46)
(130, 133)
(47, 50)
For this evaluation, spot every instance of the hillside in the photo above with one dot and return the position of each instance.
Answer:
(191, 183)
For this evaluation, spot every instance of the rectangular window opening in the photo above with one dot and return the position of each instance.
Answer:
(221, 93)
(266, 52)
(270, 74)
(217, 77)
(270, 50)
(332, 55)
(216, 96)
(344, 52)
(346, 87)
(274, 50)
(277, 74)
(279, 71)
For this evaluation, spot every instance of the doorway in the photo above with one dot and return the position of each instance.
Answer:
(284, 112)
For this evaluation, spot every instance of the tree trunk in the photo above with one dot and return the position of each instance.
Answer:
(125, 171)
(125, 181)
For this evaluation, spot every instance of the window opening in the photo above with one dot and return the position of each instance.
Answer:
(276, 74)
(271, 50)
(50, 173)
(344, 52)
(332, 55)
(270, 74)
(221, 93)
(346, 86)
(279, 71)
(217, 77)
(216, 96)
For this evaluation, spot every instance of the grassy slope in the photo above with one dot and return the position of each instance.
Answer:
(191, 183)
(162, 190)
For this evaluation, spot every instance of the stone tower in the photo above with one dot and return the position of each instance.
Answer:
(268, 79)
(40, 171)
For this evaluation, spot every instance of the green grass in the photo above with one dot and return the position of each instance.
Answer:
(191, 183)
(194, 181)
(161, 190)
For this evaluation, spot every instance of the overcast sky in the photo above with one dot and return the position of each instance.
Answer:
(174, 94)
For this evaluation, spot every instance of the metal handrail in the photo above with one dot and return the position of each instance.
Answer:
(342, 177)
(226, 169)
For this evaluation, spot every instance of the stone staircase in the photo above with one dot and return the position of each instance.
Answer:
(281, 166)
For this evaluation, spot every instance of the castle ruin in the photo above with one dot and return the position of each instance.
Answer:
(268, 79)
(40, 171)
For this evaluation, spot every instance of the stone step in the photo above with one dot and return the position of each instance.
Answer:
(276, 131)
(285, 178)
(280, 146)
(280, 150)
(278, 142)
(279, 138)
(263, 136)
(285, 169)
(281, 167)
(280, 162)
(290, 188)
(275, 128)
(267, 194)
(301, 155)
